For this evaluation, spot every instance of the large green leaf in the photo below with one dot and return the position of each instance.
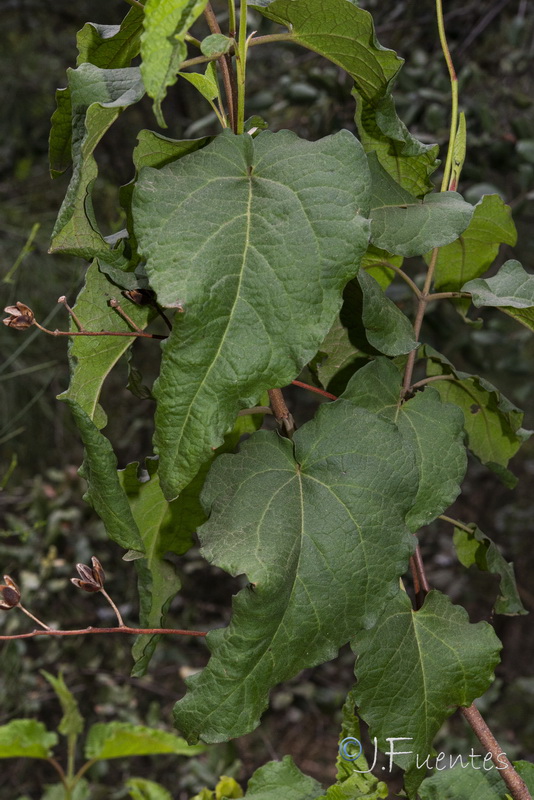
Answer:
(111, 46)
(121, 739)
(163, 46)
(473, 779)
(104, 492)
(282, 780)
(475, 250)
(432, 430)
(245, 237)
(408, 161)
(154, 150)
(414, 668)
(407, 226)
(92, 358)
(492, 423)
(511, 290)
(317, 525)
(344, 34)
(97, 98)
(474, 547)
(26, 738)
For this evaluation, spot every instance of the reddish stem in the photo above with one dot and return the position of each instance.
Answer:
(90, 630)
(314, 389)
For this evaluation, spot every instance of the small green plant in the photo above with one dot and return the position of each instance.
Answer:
(27, 738)
(259, 255)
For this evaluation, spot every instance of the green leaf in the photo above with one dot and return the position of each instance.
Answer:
(120, 739)
(492, 423)
(354, 779)
(402, 224)
(166, 528)
(373, 263)
(474, 547)
(345, 348)
(282, 780)
(344, 34)
(163, 46)
(435, 660)
(227, 788)
(72, 721)
(98, 96)
(142, 789)
(158, 581)
(60, 141)
(216, 45)
(475, 250)
(299, 518)
(104, 492)
(111, 46)
(408, 161)
(92, 358)
(386, 327)
(245, 229)
(511, 290)
(479, 782)
(206, 84)
(81, 791)
(432, 430)
(26, 738)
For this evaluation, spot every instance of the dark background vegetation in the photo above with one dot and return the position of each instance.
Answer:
(45, 528)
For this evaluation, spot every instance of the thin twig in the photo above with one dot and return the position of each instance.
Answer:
(35, 619)
(516, 785)
(315, 389)
(421, 308)
(413, 286)
(63, 301)
(118, 308)
(225, 65)
(114, 607)
(433, 378)
(446, 296)
(91, 630)
(141, 334)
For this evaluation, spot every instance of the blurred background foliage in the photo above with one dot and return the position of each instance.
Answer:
(45, 528)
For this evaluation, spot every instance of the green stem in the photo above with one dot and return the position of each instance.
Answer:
(456, 523)
(71, 755)
(241, 63)
(134, 3)
(232, 18)
(454, 95)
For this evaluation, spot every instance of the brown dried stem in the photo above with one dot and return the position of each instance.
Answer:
(516, 785)
(281, 412)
